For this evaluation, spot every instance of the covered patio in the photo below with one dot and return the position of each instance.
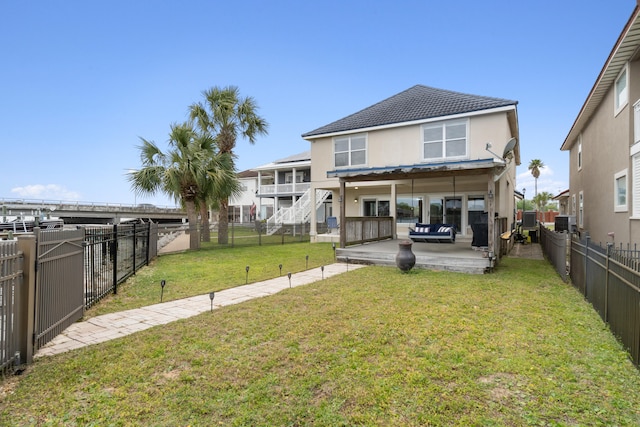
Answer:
(458, 256)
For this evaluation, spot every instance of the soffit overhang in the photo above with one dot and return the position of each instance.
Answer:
(624, 49)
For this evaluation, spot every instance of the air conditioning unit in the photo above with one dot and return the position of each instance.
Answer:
(565, 223)
(529, 219)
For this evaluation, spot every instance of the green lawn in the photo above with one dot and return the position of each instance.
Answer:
(371, 347)
(212, 268)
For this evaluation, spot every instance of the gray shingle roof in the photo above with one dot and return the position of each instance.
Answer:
(416, 103)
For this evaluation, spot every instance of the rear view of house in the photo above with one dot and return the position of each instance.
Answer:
(425, 155)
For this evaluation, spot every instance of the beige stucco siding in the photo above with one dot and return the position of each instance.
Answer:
(605, 152)
(403, 145)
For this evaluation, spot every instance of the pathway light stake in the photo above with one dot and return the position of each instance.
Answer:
(347, 263)
(289, 276)
(162, 283)
(212, 295)
(333, 245)
(280, 267)
(322, 270)
(307, 263)
(246, 280)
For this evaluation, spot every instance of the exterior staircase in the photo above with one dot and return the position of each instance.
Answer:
(298, 213)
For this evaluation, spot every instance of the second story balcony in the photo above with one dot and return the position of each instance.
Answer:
(291, 189)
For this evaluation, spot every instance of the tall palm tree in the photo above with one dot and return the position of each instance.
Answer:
(534, 166)
(227, 115)
(177, 173)
(219, 180)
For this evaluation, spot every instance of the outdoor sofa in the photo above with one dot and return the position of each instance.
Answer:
(439, 233)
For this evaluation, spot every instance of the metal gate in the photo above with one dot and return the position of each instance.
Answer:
(59, 294)
(10, 281)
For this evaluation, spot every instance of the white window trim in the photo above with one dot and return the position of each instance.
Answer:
(635, 182)
(442, 124)
(366, 149)
(617, 105)
(581, 209)
(580, 159)
(625, 207)
(636, 122)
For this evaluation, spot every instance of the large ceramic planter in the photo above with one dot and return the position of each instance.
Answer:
(405, 259)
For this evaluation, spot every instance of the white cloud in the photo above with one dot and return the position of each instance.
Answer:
(546, 182)
(45, 192)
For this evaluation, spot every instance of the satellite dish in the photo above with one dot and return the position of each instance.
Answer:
(509, 147)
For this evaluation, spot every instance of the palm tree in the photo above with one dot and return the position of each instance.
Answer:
(534, 166)
(178, 173)
(219, 180)
(542, 199)
(227, 115)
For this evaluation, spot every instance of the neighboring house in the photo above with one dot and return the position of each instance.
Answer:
(604, 147)
(243, 208)
(279, 193)
(563, 202)
(282, 181)
(424, 155)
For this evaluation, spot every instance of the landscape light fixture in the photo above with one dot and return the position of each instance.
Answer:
(307, 262)
(289, 276)
(162, 284)
(322, 270)
(280, 267)
(247, 276)
(212, 295)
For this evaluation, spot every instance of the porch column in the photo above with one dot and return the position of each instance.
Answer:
(294, 181)
(491, 191)
(275, 181)
(314, 213)
(393, 211)
(343, 215)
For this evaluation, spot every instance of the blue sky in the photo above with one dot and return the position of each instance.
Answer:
(81, 81)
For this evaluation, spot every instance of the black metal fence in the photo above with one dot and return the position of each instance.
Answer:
(112, 254)
(609, 278)
(255, 234)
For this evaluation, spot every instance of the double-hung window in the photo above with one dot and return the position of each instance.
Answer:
(444, 140)
(350, 150)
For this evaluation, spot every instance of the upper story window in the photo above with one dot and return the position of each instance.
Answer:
(580, 152)
(350, 150)
(445, 140)
(622, 91)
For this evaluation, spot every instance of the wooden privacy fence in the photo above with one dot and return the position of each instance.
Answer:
(610, 280)
(554, 245)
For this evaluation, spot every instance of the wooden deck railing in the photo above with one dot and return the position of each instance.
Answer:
(363, 229)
